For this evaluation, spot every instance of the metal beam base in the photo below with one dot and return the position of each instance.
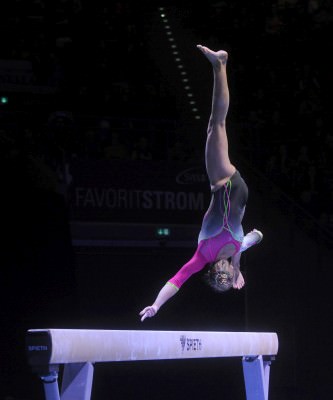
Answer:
(256, 375)
(76, 384)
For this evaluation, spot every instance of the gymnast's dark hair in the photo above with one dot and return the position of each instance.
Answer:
(220, 275)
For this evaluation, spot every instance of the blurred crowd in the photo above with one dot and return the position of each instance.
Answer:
(90, 88)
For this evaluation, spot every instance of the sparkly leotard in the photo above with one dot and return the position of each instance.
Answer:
(221, 225)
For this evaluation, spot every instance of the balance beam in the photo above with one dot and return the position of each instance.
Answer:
(79, 349)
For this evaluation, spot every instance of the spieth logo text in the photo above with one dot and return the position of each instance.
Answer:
(37, 348)
(190, 344)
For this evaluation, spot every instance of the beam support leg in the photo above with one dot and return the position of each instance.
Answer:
(77, 381)
(256, 375)
(50, 383)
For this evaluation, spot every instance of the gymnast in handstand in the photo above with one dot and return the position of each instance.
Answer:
(221, 239)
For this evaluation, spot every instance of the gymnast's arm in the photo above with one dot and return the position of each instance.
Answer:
(238, 279)
(235, 262)
(195, 264)
(252, 238)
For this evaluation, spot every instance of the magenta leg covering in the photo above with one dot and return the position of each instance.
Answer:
(195, 264)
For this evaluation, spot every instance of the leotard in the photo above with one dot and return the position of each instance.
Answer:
(221, 225)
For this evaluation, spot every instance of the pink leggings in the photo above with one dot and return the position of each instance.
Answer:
(206, 252)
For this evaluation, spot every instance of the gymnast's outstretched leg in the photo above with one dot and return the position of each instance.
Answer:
(218, 165)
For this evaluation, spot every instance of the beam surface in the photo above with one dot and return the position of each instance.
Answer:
(63, 346)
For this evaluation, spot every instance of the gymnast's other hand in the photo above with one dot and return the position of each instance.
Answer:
(148, 312)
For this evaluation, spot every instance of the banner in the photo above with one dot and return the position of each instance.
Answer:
(138, 192)
(17, 72)
(18, 76)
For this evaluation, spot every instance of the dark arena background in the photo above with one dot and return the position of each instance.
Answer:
(103, 113)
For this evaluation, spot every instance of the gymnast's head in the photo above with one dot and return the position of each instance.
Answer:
(220, 275)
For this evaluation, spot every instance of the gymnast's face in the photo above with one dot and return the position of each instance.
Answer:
(220, 275)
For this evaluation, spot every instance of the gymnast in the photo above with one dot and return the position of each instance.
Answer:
(221, 239)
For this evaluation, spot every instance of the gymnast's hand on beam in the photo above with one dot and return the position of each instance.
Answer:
(148, 312)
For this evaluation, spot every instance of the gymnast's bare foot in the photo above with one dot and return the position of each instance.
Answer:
(239, 282)
(215, 57)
